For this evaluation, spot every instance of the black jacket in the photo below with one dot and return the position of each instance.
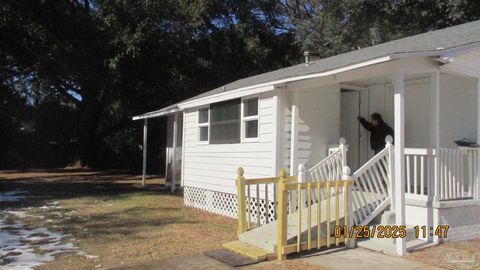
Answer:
(377, 133)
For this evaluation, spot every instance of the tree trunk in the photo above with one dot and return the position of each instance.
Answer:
(88, 145)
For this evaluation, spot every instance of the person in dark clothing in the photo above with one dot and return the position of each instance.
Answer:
(378, 131)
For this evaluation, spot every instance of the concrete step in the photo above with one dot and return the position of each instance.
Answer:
(388, 247)
(248, 250)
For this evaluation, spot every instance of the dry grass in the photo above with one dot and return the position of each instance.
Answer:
(453, 255)
(109, 215)
(112, 217)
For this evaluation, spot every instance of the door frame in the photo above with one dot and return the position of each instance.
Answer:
(363, 145)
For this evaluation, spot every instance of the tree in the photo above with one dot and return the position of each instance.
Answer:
(104, 61)
(329, 27)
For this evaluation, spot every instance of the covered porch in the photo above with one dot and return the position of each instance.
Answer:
(430, 103)
(174, 141)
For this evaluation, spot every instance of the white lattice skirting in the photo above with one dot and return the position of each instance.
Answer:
(224, 204)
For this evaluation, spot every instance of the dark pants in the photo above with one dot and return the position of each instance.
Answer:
(377, 151)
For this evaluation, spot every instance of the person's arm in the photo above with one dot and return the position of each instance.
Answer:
(365, 123)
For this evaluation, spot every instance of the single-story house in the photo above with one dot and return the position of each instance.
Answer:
(426, 87)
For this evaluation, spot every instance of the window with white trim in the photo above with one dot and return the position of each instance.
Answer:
(225, 122)
(203, 125)
(250, 119)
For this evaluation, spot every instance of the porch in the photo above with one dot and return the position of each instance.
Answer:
(423, 179)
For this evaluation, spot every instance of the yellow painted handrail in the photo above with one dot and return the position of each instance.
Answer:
(245, 202)
(283, 248)
(241, 201)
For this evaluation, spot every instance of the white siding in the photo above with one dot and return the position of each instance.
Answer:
(214, 166)
(458, 111)
(318, 127)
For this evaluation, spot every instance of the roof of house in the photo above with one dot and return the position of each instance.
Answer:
(434, 42)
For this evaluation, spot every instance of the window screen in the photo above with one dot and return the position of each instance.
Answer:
(225, 122)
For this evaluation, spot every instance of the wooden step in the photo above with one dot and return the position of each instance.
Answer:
(251, 251)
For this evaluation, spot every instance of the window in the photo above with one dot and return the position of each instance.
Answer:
(229, 122)
(250, 119)
(225, 122)
(203, 121)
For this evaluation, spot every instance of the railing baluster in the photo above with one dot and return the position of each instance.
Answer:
(450, 173)
(337, 210)
(299, 203)
(471, 174)
(328, 212)
(258, 205)
(266, 205)
(415, 174)
(407, 176)
(319, 218)
(461, 156)
(275, 201)
(422, 176)
(249, 216)
(309, 222)
(345, 211)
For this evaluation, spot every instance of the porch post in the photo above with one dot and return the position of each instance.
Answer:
(435, 130)
(391, 169)
(293, 148)
(174, 162)
(433, 218)
(293, 140)
(399, 113)
(476, 179)
(144, 164)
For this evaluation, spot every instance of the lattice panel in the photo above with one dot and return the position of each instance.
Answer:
(225, 204)
(266, 210)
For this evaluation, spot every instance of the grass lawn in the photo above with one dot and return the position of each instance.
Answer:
(110, 216)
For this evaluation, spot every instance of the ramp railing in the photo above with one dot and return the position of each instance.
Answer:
(256, 200)
(341, 202)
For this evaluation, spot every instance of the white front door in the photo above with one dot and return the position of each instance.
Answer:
(349, 126)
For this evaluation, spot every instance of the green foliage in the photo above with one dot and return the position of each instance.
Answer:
(124, 58)
(72, 73)
(329, 27)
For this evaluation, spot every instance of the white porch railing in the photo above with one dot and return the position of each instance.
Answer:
(372, 186)
(330, 168)
(444, 173)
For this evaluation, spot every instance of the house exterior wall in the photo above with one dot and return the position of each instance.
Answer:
(214, 166)
(318, 123)
(209, 171)
(458, 109)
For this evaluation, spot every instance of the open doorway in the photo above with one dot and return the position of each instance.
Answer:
(350, 102)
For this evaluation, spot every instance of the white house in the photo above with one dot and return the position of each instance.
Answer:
(427, 88)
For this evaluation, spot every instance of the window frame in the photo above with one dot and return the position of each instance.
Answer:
(206, 124)
(244, 119)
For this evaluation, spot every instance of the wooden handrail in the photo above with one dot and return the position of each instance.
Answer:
(283, 248)
(245, 202)
(242, 225)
